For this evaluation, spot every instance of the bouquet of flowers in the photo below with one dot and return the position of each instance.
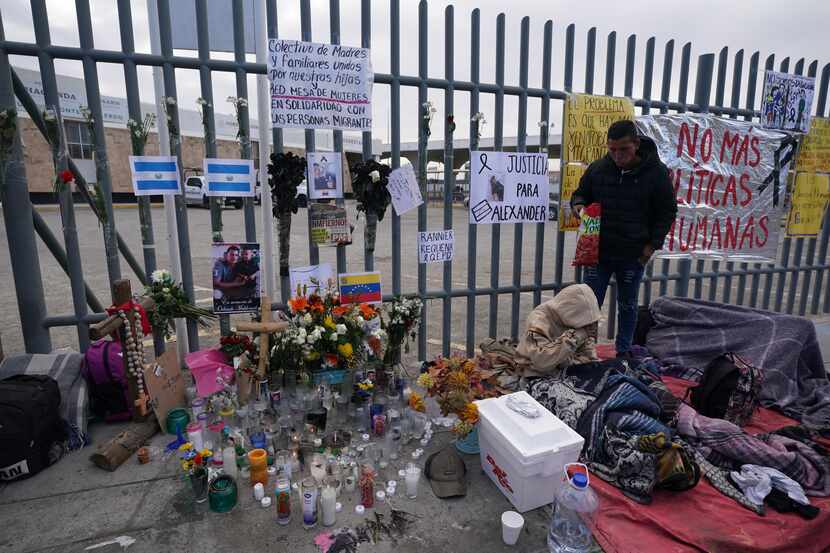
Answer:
(234, 345)
(455, 382)
(403, 315)
(172, 303)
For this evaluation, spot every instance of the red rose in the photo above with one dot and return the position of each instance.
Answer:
(67, 176)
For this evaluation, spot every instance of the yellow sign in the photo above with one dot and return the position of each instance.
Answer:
(809, 201)
(570, 175)
(814, 155)
(587, 118)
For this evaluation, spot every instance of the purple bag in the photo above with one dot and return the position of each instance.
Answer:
(103, 369)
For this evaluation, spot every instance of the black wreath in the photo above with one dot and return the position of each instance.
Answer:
(372, 197)
(285, 173)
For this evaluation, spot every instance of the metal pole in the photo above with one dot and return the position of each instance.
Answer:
(244, 120)
(310, 144)
(472, 230)
(521, 146)
(263, 108)
(497, 146)
(395, 131)
(449, 49)
(334, 11)
(423, 44)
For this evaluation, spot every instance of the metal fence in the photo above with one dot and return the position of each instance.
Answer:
(797, 276)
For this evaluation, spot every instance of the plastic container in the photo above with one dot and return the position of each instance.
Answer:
(258, 459)
(575, 506)
(195, 436)
(525, 456)
(283, 493)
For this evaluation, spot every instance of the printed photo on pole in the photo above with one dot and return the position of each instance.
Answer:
(325, 175)
(360, 288)
(570, 175)
(320, 86)
(730, 178)
(814, 153)
(436, 246)
(155, 175)
(809, 202)
(508, 188)
(404, 190)
(787, 101)
(312, 278)
(236, 277)
(229, 177)
(329, 225)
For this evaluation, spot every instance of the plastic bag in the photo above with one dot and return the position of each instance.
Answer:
(587, 243)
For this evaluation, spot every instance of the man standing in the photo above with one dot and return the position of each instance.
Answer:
(638, 207)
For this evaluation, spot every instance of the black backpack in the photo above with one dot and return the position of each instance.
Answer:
(32, 433)
(729, 389)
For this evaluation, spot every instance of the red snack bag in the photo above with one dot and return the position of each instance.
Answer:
(587, 242)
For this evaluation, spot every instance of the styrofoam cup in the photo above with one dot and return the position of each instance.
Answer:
(511, 526)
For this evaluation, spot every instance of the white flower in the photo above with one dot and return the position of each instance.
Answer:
(543, 124)
(166, 290)
(160, 275)
(375, 176)
(360, 320)
(242, 102)
(170, 101)
(302, 332)
(341, 329)
(478, 117)
(231, 99)
(300, 340)
(307, 319)
(201, 101)
(333, 337)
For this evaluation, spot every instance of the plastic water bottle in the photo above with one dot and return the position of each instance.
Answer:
(575, 505)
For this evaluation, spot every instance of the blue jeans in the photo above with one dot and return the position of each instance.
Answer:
(628, 275)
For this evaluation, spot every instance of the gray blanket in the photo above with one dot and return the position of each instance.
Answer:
(691, 333)
(65, 368)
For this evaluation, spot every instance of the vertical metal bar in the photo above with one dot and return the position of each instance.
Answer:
(334, 24)
(102, 172)
(825, 229)
(472, 230)
(751, 87)
(720, 90)
(610, 59)
(630, 53)
(366, 42)
(17, 217)
(544, 134)
(737, 73)
(570, 33)
(811, 243)
(244, 120)
(497, 146)
(769, 64)
(799, 242)
(423, 44)
(165, 37)
(67, 207)
(310, 144)
(395, 129)
(648, 75)
(521, 146)
(449, 93)
(785, 249)
(665, 93)
(590, 55)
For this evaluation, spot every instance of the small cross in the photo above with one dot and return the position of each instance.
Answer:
(265, 327)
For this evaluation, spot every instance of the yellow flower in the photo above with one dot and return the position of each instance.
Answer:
(187, 446)
(346, 350)
(313, 356)
(458, 380)
(187, 465)
(426, 381)
(328, 322)
(416, 402)
(469, 414)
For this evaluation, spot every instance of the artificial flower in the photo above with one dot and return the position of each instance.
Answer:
(346, 350)
(298, 304)
(416, 402)
(469, 414)
(367, 311)
(425, 380)
(341, 329)
(328, 322)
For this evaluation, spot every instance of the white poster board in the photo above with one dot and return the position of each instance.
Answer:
(404, 190)
(787, 101)
(436, 246)
(324, 175)
(320, 86)
(155, 175)
(508, 187)
(313, 277)
(229, 177)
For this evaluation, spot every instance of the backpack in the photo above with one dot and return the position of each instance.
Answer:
(103, 369)
(729, 389)
(32, 433)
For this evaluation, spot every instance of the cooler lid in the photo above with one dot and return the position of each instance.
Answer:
(529, 438)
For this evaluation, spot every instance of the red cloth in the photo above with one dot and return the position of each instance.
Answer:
(703, 519)
(128, 307)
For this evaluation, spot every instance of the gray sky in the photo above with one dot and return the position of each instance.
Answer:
(797, 28)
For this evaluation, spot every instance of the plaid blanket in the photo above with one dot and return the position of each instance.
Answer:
(65, 368)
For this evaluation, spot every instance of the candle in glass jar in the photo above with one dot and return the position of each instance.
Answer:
(328, 503)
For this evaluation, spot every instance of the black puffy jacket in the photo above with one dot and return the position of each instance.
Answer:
(638, 206)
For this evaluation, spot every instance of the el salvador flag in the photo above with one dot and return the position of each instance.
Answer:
(153, 175)
(230, 177)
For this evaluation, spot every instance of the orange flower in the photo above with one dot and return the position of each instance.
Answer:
(375, 344)
(469, 414)
(318, 308)
(367, 311)
(340, 310)
(458, 380)
(298, 304)
(416, 402)
(330, 359)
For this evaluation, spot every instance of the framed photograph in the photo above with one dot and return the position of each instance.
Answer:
(325, 175)
(236, 277)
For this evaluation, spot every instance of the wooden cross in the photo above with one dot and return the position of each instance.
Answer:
(121, 294)
(265, 327)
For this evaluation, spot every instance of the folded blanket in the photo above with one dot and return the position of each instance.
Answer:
(65, 368)
(690, 333)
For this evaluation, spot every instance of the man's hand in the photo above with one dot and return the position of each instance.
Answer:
(648, 251)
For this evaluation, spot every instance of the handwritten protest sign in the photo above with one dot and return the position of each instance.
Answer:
(311, 277)
(730, 198)
(508, 188)
(435, 247)
(787, 101)
(809, 200)
(404, 189)
(329, 225)
(320, 86)
(814, 155)
(587, 118)
(570, 175)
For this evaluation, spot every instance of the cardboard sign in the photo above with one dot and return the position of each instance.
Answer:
(360, 288)
(570, 175)
(436, 246)
(325, 175)
(153, 175)
(814, 154)
(165, 385)
(311, 277)
(329, 225)
(809, 201)
(587, 118)
(320, 86)
(404, 190)
(787, 101)
(508, 187)
(230, 177)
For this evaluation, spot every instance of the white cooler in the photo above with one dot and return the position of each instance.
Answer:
(523, 456)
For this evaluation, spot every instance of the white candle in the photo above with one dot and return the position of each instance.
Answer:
(229, 462)
(328, 503)
(413, 474)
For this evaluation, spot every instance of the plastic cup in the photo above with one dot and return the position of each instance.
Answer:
(511, 526)
(413, 474)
